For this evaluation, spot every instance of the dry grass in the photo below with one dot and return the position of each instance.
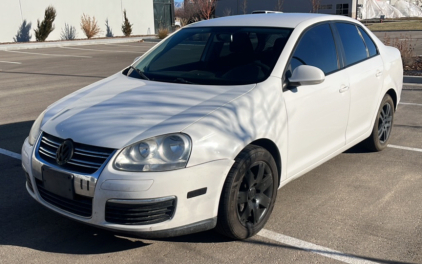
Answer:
(405, 44)
(399, 25)
(89, 26)
(162, 33)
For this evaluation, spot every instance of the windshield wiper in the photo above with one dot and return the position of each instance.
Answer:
(139, 72)
(181, 80)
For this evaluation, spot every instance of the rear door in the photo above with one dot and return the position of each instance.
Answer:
(317, 114)
(365, 69)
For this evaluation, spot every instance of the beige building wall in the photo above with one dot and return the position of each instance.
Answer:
(139, 12)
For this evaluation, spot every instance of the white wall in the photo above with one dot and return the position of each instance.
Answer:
(139, 13)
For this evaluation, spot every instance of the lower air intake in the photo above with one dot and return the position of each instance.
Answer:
(139, 212)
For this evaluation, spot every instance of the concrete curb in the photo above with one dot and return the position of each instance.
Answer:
(40, 45)
(412, 80)
(153, 40)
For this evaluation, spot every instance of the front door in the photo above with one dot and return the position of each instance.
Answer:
(317, 114)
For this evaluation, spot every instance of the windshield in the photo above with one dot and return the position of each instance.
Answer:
(215, 56)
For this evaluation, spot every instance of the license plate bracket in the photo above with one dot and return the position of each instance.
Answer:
(59, 183)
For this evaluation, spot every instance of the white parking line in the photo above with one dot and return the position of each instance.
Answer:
(405, 148)
(102, 50)
(44, 54)
(410, 104)
(306, 246)
(123, 45)
(12, 62)
(10, 154)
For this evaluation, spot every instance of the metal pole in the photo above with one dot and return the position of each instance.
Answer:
(121, 9)
(21, 10)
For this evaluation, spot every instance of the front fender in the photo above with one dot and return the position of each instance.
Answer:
(257, 114)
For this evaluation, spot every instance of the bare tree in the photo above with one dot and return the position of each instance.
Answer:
(205, 8)
(244, 6)
(279, 5)
(189, 13)
(315, 5)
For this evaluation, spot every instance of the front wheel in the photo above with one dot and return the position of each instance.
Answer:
(249, 194)
(383, 126)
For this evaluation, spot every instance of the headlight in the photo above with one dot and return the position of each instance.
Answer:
(35, 129)
(162, 153)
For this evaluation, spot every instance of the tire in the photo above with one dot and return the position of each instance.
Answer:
(380, 136)
(249, 194)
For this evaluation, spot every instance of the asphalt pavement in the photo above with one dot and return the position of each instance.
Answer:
(359, 207)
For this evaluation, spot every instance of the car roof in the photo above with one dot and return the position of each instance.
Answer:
(264, 12)
(284, 20)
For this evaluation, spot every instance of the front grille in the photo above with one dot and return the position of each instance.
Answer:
(80, 205)
(86, 158)
(28, 181)
(140, 214)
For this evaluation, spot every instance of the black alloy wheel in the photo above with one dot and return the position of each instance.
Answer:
(254, 194)
(381, 131)
(384, 123)
(249, 194)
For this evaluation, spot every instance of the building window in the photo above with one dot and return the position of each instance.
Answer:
(321, 7)
(342, 9)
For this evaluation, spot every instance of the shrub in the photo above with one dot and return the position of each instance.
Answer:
(46, 26)
(405, 44)
(126, 26)
(109, 32)
(68, 32)
(162, 33)
(89, 26)
(23, 32)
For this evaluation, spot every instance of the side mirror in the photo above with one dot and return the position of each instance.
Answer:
(136, 58)
(307, 75)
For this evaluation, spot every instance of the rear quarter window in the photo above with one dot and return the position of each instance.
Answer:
(372, 49)
(354, 47)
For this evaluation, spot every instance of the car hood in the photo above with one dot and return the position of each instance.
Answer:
(120, 110)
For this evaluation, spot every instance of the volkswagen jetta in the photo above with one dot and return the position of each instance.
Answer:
(202, 130)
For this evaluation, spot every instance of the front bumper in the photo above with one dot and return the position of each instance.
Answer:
(191, 214)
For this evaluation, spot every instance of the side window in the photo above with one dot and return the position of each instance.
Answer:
(316, 48)
(354, 47)
(369, 43)
(342, 9)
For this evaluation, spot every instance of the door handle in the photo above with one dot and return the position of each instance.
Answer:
(344, 89)
(379, 73)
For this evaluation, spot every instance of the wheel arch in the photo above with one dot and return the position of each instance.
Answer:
(271, 147)
(391, 92)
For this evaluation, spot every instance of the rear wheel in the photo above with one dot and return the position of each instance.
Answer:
(383, 126)
(249, 194)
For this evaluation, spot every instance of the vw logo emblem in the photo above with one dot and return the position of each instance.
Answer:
(64, 152)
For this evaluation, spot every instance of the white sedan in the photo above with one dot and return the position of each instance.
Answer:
(201, 131)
